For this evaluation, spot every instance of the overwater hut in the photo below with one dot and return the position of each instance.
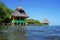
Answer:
(45, 21)
(18, 16)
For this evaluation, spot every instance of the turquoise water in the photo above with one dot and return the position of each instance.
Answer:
(32, 33)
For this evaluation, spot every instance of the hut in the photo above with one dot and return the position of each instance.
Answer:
(18, 16)
(45, 21)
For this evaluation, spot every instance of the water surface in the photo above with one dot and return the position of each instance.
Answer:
(31, 33)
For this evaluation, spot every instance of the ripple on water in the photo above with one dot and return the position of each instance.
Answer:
(43, 33)
(52, 37)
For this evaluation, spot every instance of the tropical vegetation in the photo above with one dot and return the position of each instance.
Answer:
(5, 12)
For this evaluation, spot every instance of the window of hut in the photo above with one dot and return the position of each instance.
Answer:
(21, 11)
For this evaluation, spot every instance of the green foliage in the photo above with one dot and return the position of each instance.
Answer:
(36, 22)
(5, 12)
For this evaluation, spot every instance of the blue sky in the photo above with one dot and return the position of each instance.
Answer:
(38, 9)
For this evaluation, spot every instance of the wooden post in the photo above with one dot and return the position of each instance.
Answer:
(20, 24)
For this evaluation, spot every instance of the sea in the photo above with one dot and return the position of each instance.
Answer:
(31, 33)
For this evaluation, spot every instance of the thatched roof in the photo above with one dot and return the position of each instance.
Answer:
(45, 21)
(19, 12)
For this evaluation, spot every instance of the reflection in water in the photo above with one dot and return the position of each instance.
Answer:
(13, 33)
(16, 33)
(3, 36)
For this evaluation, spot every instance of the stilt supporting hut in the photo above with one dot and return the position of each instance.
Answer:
(18, 16)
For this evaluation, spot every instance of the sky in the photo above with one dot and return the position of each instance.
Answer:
(38, 9)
